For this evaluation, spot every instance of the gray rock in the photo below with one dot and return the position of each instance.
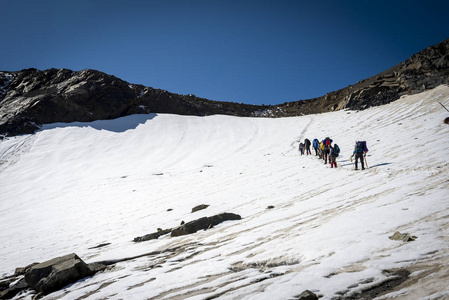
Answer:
(200, 207)
(152, 236)
(22, 271)
(97, 267)
(56, 273)
(307, 295)
(203, 223)
(14, 289)
(405, 237)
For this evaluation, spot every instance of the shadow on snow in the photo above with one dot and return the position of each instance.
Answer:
(118, 125)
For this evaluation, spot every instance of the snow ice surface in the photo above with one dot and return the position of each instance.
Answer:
(70, 187)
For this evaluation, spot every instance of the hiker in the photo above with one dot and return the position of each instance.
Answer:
(335, 151)
(327, 142)
(301, 148)
(321, 150)
(316, 146)
(360, 151)
(307, 145)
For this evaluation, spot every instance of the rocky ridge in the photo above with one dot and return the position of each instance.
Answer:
(30, 98)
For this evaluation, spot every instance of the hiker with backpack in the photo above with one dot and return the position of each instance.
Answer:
(327, 143)
(307, 145)
(301, 148)
(335, 151)
(316, 146)
(360, 151)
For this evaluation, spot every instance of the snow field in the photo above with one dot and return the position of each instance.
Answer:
(73, 186)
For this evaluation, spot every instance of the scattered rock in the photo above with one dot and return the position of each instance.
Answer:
(200, 207)
(307, 295)
(170, 209)
(56, 273)
(270, 207)
(13, 289)
(22, 271)
(97, 267)
(203, 223)
(446, 121)
(406, 237)
(152, 236)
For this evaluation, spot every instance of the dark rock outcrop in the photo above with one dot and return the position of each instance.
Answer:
(190, 227)
(203, 223)
(31, 97)
(307, 295)
(200, 207)
(56, 273)
(12, 288)
(152, 236)
(422, 71)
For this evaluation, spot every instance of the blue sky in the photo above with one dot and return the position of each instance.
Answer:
(256, 52)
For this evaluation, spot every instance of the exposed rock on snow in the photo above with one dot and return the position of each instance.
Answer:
(190, 227)
(200, 207)
(54, 274)
(203, 223)
(406, 237)
(307, 295)
(152, 236)
(11, 288)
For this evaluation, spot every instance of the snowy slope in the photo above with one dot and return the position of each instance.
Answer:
(73, 186)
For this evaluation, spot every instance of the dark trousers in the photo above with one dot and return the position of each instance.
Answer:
(357, 157)
(326, 155)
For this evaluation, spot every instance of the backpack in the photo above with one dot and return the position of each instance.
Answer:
(336, 150)
(360, 146)
(327, 143)
(316, 143)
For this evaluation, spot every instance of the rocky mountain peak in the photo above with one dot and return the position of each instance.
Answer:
(31, 97)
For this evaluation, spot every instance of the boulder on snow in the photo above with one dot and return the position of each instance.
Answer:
(446, 121)
(406, 237)
(56, 273)
(203, 223)
(200, 207)
(152, 236)
(307, 295)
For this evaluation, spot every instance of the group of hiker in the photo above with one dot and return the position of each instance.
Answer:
(329, 153)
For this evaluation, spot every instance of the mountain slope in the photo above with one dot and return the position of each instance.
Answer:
(30, 98)
(70, 187)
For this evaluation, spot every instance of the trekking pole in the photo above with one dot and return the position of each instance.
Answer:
(443, 106)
